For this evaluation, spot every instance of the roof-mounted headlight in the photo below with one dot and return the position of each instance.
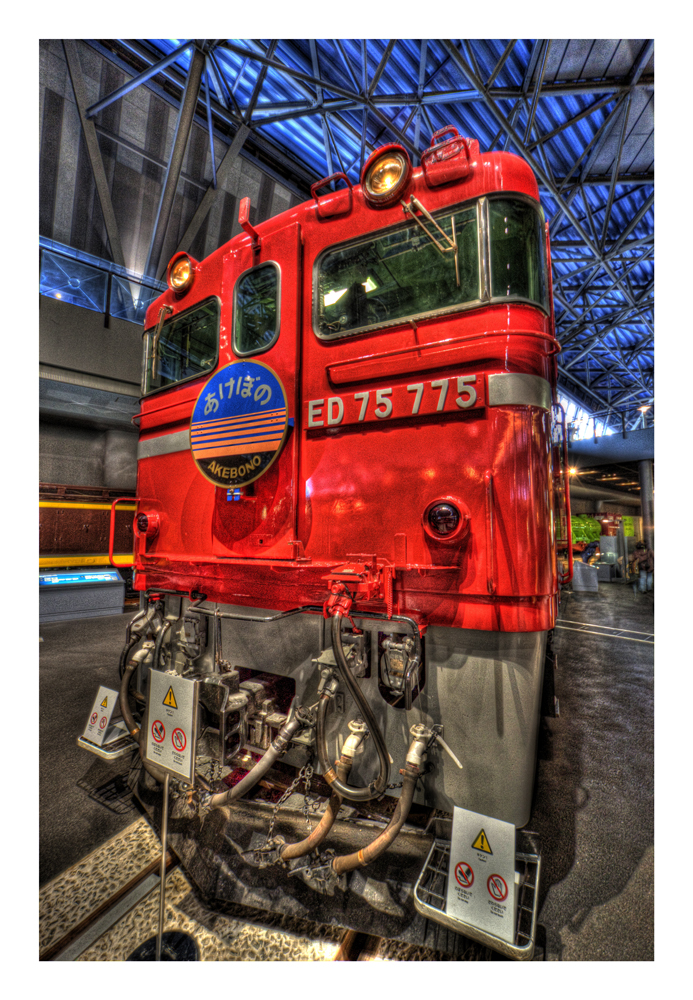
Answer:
(181, 273)
(385, 174)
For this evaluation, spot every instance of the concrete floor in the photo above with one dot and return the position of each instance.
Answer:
(593, 807)
(84, 800)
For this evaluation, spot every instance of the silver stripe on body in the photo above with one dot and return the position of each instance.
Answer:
(504, 389)
(514, 389)
(166, 444)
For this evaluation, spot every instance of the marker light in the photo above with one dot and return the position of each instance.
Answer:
(147, 524)
(385, 174)
(447, 520)
(444, 518)
(180, 273)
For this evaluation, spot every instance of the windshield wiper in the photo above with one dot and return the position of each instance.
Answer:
(163, 313)
(414, 203)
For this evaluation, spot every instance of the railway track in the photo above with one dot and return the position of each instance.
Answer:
(107, 904)
(77, 939)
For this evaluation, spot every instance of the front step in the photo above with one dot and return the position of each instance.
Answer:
(430, 896)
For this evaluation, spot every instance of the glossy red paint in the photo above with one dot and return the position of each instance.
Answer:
(354, 491)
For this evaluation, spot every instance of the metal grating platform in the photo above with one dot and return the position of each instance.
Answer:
(430, 895)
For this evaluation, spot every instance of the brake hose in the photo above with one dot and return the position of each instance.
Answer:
(359, 859)
(377, 787)
(316, 836)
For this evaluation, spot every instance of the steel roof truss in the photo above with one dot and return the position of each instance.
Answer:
(93, 150)
(537, 89)
(501, 62)
(614, 176)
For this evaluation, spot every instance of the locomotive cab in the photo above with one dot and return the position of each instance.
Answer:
(349, 486)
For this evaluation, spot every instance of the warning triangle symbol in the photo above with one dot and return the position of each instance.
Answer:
(104, 703)
(170, 699)
(481, 843)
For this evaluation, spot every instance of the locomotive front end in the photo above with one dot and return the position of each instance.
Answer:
(349, 491)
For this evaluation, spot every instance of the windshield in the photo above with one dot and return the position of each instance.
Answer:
(518, 268)
(186, 347)
(400, 274)
(257, 310)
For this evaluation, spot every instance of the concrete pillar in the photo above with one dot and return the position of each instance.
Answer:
(646, 473)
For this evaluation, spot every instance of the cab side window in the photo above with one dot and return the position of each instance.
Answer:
(256, 309)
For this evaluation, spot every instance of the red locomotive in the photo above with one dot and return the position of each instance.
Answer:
(350, 485)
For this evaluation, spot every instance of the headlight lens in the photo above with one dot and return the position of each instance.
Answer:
(181, 274)
(385, 174)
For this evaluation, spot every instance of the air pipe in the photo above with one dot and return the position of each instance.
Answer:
(133, 728)
(410, 774)
(359, 859)
(377, 787)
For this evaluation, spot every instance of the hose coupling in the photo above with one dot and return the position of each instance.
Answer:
(339, 602)
(355, 743)
(329, 683)
(421, 739)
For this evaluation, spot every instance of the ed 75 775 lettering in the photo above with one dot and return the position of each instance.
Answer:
(449, 395)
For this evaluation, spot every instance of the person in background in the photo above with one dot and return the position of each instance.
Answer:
(590, 550)
(644, 561)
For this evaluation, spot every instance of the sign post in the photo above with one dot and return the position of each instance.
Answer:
(170, 746)
(162, 894)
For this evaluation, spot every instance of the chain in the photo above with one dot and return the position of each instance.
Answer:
(307, 767)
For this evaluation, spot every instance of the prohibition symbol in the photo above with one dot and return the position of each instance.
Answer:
(94, 717)
(104, 721)
(178, 739)
(464, 874)
(497, 888)
(158, 731)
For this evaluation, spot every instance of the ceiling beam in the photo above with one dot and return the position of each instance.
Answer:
(93, 151)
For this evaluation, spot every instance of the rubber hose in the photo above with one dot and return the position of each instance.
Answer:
(124, 655)
(276, 749)
(159, 643)
(133, 728)
(316, 837)
(359, 859)
(377, 787)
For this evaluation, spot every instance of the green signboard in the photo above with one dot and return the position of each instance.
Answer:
(628, 526)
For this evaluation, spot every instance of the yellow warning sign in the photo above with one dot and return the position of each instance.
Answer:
(170, 699)
(481, 843)
(104, 703)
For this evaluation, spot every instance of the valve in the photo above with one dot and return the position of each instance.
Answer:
(423, 739)
(328, 683)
